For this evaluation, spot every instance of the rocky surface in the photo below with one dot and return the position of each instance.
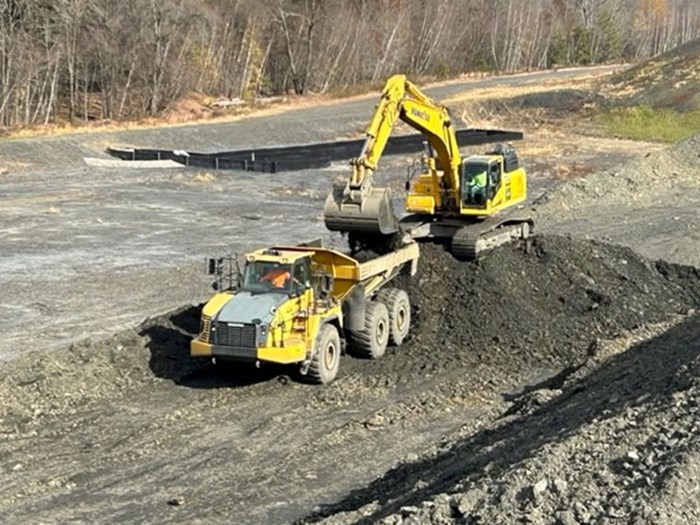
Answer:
(600, 443)
(612, 437)
(515, 365)
(643, 182)
(650, 204)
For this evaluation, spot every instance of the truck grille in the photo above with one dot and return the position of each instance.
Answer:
(235, 335)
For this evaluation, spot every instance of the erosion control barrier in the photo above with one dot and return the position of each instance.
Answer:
(307, 156)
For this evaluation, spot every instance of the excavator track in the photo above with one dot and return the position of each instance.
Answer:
(464, 246)
(471, 242)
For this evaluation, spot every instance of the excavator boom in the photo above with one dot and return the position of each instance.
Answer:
(359, 206)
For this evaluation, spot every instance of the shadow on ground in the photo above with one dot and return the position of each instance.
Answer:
(647, 374)
(169, 339)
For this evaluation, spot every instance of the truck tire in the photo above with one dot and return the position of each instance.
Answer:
(326, 359)
(371, 341)
(399, 307)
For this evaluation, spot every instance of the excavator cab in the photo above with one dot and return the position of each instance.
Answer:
(491, 182)
(480, 181)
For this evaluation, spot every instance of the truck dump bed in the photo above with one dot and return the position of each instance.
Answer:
(348, 272)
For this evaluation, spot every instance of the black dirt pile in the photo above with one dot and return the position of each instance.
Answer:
(544, 305)
(598, 442)
(615, 442)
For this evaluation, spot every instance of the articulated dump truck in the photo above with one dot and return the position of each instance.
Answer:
(304, 306)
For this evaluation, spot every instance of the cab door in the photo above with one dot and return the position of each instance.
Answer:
(500, 183)
(494, 178)
(302, 294)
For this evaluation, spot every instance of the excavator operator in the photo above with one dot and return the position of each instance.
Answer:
(477, 187)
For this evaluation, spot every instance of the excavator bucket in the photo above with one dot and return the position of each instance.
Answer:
(373, 214)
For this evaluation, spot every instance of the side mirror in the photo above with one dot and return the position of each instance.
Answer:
(408, 185)
(215, 285)
(326, 283)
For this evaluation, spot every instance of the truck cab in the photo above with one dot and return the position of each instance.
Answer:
(261, 318)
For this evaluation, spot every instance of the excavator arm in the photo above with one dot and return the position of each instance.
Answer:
(358, 206)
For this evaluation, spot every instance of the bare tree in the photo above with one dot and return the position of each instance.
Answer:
(102, 59)
(297, 28)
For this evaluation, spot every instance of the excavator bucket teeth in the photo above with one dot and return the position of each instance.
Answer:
(374, 214)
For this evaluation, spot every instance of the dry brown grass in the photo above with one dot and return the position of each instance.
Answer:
(196, 178)
(196, 108)
(184, 115)
(505, 92)
(586, 80)
(205, 177)
(572, 170)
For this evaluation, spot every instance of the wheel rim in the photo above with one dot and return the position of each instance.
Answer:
(381, 331)
(401, 318)
(329, 357)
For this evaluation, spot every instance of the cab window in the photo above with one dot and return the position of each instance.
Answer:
(302, 274)
(494, 174)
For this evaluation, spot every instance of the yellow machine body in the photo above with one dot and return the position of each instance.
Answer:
(260, 323)
(441, 200)
(504, 190)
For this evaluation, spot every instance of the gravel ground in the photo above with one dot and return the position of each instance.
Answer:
(650, 204)
(551, 383)
(111, 431)
(611, 440)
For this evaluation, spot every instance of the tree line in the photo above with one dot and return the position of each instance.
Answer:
(99, 59)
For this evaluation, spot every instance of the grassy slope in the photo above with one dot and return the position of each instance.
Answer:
(659, 99)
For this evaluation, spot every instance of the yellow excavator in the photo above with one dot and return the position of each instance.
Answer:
(461, 201)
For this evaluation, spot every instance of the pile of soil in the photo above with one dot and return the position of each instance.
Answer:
(545, 303)
(650, 181)
(42, 384)
(580, 445)
(614, 440)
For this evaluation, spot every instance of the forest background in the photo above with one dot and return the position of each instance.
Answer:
(94, 60)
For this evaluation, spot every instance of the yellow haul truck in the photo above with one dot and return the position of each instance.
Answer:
(303, 305)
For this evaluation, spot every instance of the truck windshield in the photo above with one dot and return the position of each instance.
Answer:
(264, 276)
